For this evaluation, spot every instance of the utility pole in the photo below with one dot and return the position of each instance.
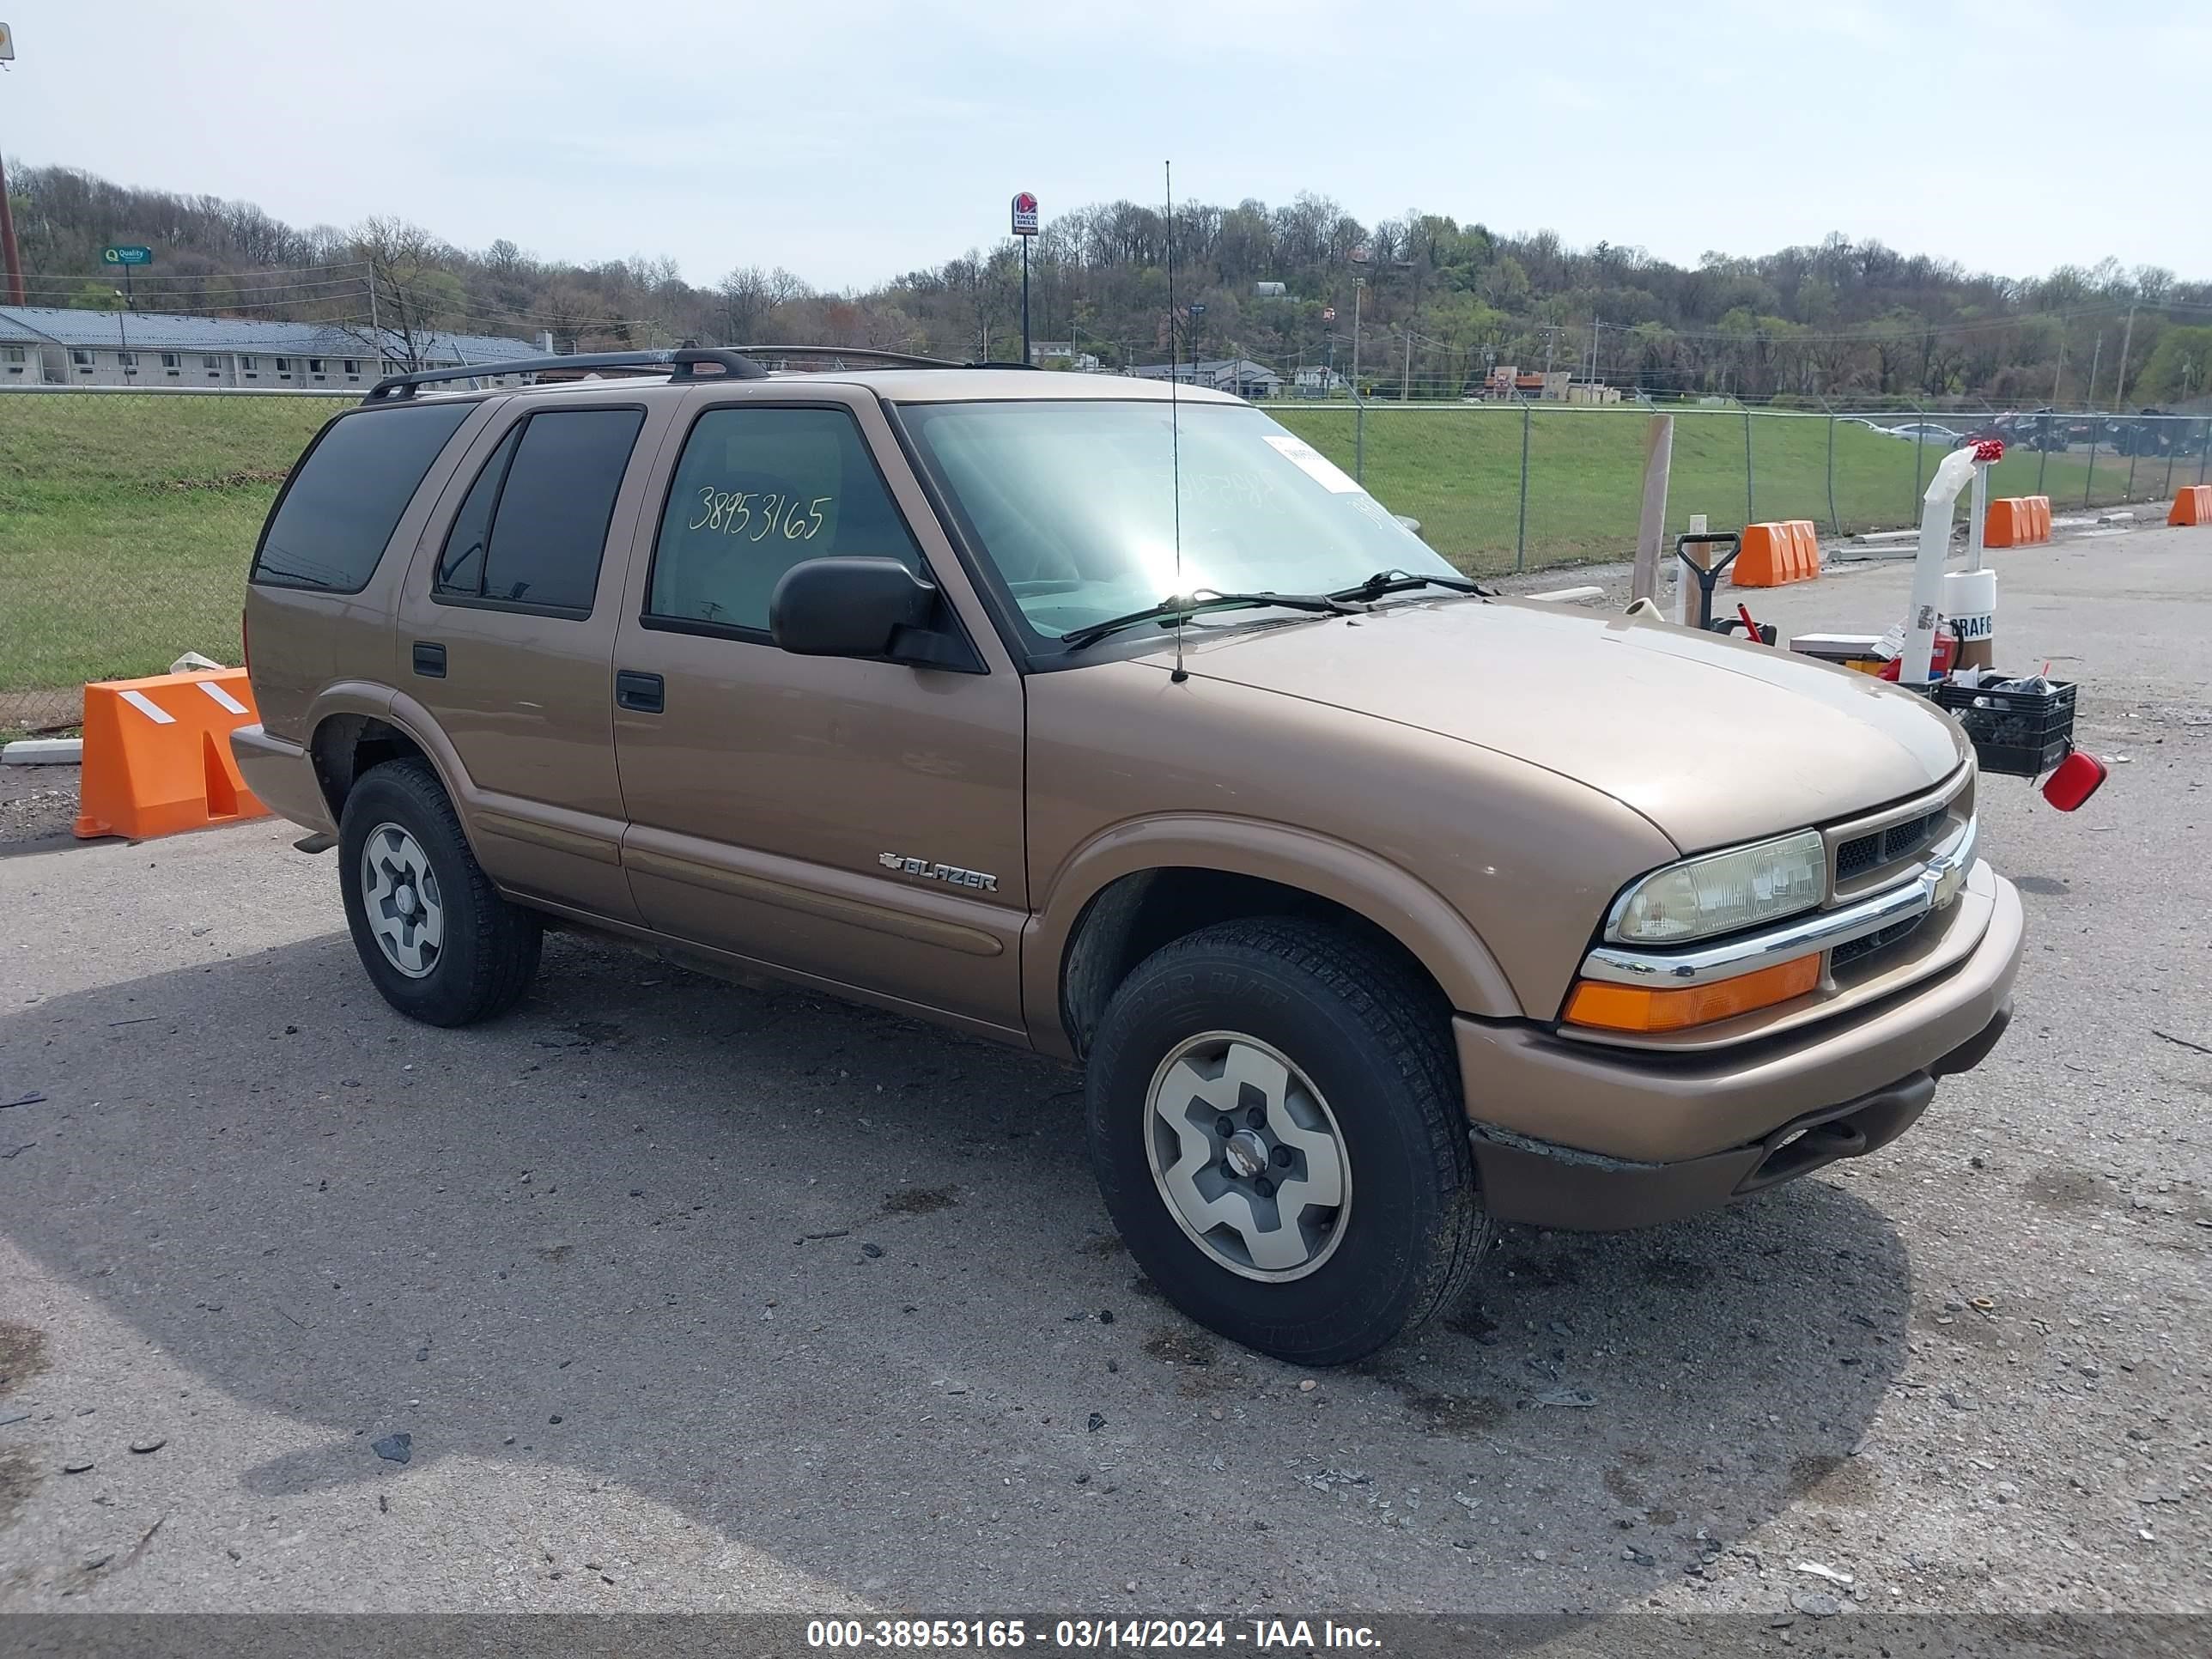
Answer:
(2120, 392)
(9, 256)
(2096, 357)
(11, 260)
(2058, 379)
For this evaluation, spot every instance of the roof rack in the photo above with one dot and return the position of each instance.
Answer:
(869, 355)
(682, 364)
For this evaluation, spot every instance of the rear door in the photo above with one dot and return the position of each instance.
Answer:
(506, 627)
(857, 821)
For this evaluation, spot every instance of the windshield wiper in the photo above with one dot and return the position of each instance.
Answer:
(1207, 599)
(1400, 581)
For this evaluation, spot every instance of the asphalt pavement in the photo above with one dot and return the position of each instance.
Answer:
(663, 1294)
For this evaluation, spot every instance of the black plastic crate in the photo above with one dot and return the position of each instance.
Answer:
(2021, 733)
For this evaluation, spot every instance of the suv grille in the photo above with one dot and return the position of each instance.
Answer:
(1843, 954)
(1890, 846)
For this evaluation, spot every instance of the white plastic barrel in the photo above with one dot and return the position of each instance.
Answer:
(1969, 600)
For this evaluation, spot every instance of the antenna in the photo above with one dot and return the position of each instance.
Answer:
(1174, 427)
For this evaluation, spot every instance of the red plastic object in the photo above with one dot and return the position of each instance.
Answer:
(2079, 777)
(1939, 659)
(1989, 449)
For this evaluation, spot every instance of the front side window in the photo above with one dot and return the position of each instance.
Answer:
(345, 499)
(758, 490)
(1075, 504)
(532, 529)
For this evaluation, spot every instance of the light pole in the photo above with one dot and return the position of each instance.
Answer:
(1359, 291)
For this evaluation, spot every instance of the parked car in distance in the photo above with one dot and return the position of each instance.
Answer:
(1925, 432)
(1129, 730)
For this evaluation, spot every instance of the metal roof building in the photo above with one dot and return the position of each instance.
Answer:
(1239, 376)
(62, 346)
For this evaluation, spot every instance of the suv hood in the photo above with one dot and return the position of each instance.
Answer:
(1714, 740)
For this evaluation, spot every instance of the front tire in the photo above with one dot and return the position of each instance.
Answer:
(431, 930)
(1276, 1126)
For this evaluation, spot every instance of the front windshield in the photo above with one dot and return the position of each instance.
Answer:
(1074, 502)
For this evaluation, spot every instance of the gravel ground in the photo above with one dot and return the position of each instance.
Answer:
(37, 803)
(660, 1294)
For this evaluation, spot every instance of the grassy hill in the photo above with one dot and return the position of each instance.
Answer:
(1458, 470)
(126, 526)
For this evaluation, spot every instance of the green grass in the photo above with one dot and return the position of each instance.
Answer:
(125, 528)
(1458, 470)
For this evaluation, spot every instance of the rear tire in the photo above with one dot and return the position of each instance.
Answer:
(432, 931)
(1276, 1126)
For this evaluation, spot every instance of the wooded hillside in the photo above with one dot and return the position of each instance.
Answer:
(1443, 300)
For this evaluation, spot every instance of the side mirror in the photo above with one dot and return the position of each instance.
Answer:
(847, 607)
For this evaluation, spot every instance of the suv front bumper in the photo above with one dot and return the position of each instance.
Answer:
(1573, 1134)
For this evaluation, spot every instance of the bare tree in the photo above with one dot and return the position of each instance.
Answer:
(411, 290)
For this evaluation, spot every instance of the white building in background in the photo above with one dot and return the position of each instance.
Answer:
(50, 345)
(1045, 351)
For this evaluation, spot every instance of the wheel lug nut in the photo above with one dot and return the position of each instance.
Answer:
(1282, 1157)
(1264, 1187)
(1223, 1128)
(1257, 1117)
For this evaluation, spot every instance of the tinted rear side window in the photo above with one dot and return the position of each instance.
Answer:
(345, 497)
(550, 523)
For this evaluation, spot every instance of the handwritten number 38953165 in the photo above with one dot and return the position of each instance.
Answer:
(759, 512)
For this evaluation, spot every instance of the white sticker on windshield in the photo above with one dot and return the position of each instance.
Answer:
(1315, 464)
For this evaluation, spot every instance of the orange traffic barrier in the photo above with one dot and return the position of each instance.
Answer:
(2193, 505)
(2017, 521)
(1785, 551)
(157, 754)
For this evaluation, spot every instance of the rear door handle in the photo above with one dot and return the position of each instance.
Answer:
(642, 693)
(430, 659)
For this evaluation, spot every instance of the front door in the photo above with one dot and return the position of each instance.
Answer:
(857, 822)
(506, 630)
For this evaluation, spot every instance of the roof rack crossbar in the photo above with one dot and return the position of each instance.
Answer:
(861, 354)
(682, 364)
(868, 354)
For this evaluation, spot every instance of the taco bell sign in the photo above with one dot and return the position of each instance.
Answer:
(1026, 215)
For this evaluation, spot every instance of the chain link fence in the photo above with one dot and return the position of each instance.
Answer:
(127, 518)
(1522, 484)
(127, 522)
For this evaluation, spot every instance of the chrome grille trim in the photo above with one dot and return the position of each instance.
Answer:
(1818, 930)
(1952, 798)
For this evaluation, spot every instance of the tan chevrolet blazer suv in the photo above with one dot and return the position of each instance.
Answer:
(1379, 909)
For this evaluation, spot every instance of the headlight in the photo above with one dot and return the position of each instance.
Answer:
(1722, 892)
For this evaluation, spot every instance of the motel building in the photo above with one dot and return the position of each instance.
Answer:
(43, 345)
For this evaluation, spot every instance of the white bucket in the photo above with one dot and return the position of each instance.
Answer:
(1969, 600)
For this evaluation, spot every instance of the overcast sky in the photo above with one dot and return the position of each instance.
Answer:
(851, 140)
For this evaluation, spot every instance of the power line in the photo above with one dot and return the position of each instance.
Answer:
(351, 284)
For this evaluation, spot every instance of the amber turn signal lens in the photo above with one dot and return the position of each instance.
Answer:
(1634, 1008)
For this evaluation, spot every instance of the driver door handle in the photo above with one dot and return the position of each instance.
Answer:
(641, 693)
